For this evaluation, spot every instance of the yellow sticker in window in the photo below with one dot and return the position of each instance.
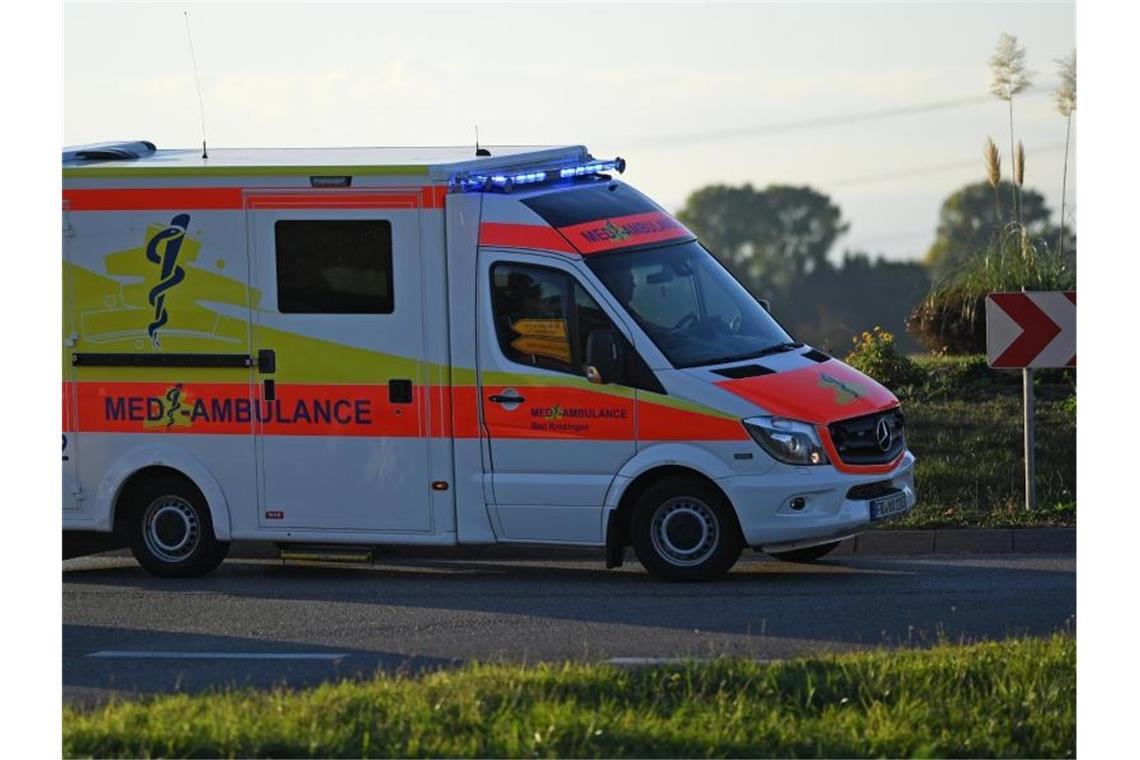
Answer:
(540, 328)
(551, 348)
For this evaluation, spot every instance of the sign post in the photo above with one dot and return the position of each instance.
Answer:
(1030, 459)
(1028, 330)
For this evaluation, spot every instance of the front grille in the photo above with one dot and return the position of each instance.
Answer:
(867, 491)
(856, 440)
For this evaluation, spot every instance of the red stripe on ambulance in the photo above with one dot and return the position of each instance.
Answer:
(624, 231)
(229, 409)
(523, 236)
(364, 410)
(235, 198)
(154, 199)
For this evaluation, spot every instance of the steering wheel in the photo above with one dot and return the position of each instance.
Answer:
(687, 320)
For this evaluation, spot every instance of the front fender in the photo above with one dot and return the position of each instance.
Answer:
(674, 454)
(159, 455)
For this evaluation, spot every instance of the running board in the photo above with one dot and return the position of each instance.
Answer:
(326, 553)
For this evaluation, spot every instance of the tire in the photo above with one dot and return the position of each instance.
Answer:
(170, 531)
(807, 554)
(685, 530)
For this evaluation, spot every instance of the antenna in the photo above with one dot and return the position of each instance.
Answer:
(479, 151)
(197, 82)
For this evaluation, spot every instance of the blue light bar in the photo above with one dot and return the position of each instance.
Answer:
(596, 167)
(533, 175)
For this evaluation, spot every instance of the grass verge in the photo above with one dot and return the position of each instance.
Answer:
(970, 470)
(1015, 698)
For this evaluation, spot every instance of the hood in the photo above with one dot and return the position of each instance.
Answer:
(819, 392)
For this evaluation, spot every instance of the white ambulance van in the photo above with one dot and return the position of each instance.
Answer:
(353, 348)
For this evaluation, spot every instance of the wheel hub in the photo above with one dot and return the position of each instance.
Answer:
(684, 531)
(171, 529)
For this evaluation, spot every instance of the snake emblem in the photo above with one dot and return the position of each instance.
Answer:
(174, 396)
(170, 273)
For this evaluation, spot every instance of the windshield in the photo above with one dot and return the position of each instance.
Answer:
(689, 305)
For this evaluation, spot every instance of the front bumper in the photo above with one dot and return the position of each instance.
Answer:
(765, 503)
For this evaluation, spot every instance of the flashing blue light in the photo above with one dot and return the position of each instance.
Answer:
(506, 182)
(596, 167)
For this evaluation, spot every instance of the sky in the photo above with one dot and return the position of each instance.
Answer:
(689, 94)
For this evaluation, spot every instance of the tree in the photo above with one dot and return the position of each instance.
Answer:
(968, 223)
(1010, 77)
(835, 303)
(769, 238)
(776, 241)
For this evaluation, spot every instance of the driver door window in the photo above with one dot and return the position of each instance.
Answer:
(533, 316)
(543, 317)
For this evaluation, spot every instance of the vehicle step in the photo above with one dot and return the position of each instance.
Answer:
(325, 553)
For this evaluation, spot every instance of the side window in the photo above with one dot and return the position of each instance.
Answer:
(532, 316)
(544, 317)
(334, 266)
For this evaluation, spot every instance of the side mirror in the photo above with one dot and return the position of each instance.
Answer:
(765, 304)
(603, 357)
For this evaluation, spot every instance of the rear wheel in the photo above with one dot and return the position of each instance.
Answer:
(807, 554)
(171, 534)
(685, 530)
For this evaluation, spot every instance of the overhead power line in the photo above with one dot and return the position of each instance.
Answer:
(868, 179)
(758, 130)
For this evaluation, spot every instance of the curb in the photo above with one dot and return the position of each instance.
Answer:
(875, 543)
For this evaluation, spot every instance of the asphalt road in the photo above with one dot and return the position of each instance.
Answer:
(261, 623)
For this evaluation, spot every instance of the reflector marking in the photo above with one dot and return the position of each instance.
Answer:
(551, 412)
(232, 198)
(523, 236)
(623, 232)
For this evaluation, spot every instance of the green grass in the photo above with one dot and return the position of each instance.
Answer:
(971, 470)
(964, 424)
(1015, 698)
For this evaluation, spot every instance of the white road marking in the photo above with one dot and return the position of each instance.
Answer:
(140, 655)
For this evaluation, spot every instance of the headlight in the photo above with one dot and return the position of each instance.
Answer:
(788, 441)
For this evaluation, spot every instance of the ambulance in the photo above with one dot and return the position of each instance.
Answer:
(336, 350)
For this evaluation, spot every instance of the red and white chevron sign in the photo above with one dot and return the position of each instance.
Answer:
(1031, 330)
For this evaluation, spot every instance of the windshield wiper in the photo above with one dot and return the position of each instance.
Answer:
(779, 348)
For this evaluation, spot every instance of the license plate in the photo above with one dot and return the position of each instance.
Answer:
(888, 506)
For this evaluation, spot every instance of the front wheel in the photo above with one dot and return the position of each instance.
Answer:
(685, 530)
(170, 530)
(808, 554)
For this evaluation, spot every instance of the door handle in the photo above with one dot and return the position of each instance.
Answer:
(498, 399)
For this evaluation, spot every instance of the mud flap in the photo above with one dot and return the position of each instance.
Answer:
(615, 541)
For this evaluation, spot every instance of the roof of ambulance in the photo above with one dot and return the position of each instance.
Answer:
(435, 162)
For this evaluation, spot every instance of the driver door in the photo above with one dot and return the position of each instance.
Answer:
(556, 440)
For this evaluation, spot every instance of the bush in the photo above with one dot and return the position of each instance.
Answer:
(952, 318)
(967, 377)
(875, 355)
(1070, 405)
